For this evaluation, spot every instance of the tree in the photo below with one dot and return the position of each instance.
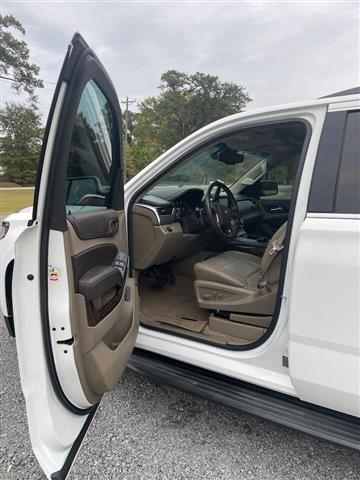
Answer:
(20, 125)
(14, 59)
(185, 104)
(20, 142)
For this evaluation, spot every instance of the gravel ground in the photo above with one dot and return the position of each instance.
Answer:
(146, 431)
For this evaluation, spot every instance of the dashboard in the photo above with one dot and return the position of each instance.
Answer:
(169, 223)
(178, 205)
(185, 205)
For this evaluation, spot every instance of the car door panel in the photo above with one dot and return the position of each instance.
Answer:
(76, 306)
(102, 322)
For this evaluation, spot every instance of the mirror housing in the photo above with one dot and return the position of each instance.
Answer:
(228, 155)
(85, 191)
(267, 189)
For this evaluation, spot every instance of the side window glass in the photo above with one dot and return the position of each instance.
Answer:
(89, 170)
(283, 174)
(348, 186)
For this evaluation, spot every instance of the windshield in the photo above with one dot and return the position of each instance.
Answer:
(241, 158)
(204, 167)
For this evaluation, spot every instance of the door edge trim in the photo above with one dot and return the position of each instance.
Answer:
(65, 469)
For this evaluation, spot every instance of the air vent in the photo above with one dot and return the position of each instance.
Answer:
(165, 210)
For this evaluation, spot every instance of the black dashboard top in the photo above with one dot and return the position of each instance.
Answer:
(167, 196)
(185, 205)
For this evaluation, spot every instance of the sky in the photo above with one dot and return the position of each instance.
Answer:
(280, 52)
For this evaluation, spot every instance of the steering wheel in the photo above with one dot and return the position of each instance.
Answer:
(224, 219)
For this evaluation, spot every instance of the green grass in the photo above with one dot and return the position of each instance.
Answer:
(14, 200)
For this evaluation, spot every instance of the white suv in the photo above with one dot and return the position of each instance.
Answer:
(244, 289)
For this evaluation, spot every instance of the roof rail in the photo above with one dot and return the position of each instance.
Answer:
(350, 91)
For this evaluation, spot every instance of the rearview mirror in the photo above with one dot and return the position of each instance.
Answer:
(267, 189)
(228, 155)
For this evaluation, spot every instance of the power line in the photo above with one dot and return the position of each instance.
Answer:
(18, 81)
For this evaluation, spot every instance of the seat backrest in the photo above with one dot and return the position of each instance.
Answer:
(271, 260)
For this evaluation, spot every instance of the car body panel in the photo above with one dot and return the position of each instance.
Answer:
(18, 222)
(53, 430)
(324, 353)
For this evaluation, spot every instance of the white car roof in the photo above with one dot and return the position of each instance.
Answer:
(339, 97)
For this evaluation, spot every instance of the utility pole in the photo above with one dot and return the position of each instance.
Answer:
(127, 102)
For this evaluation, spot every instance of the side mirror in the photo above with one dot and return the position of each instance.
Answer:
(267, 189)
(77, 188)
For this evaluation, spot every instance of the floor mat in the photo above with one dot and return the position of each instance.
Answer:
(174, 309)
(173, 304)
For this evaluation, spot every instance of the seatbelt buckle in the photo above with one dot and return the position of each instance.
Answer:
(275, 248)
(263, 283)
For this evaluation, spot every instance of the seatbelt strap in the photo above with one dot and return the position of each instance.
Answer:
(276, 247)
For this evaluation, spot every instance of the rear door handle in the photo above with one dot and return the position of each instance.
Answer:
(276, 209)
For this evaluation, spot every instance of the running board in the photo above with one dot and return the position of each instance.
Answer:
(284, 409)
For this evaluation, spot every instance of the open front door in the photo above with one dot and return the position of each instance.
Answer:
(75, 305)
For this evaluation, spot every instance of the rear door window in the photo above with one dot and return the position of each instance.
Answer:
(348, 184)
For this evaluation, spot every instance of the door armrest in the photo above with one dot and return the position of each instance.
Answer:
(97, 281)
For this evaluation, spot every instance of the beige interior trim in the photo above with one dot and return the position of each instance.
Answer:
(263, 321)
(155, 244)
(236, 329)
(106, 361)
(101, 351)
(218, 296)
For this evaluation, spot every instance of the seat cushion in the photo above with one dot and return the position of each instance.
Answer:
(230, 268)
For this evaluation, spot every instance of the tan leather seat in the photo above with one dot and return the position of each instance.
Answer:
(232, 268)
(240, 282)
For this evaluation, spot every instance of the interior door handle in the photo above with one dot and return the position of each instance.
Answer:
(276, 209)
(113, 227)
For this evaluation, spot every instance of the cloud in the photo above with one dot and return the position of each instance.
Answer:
(281, 52)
